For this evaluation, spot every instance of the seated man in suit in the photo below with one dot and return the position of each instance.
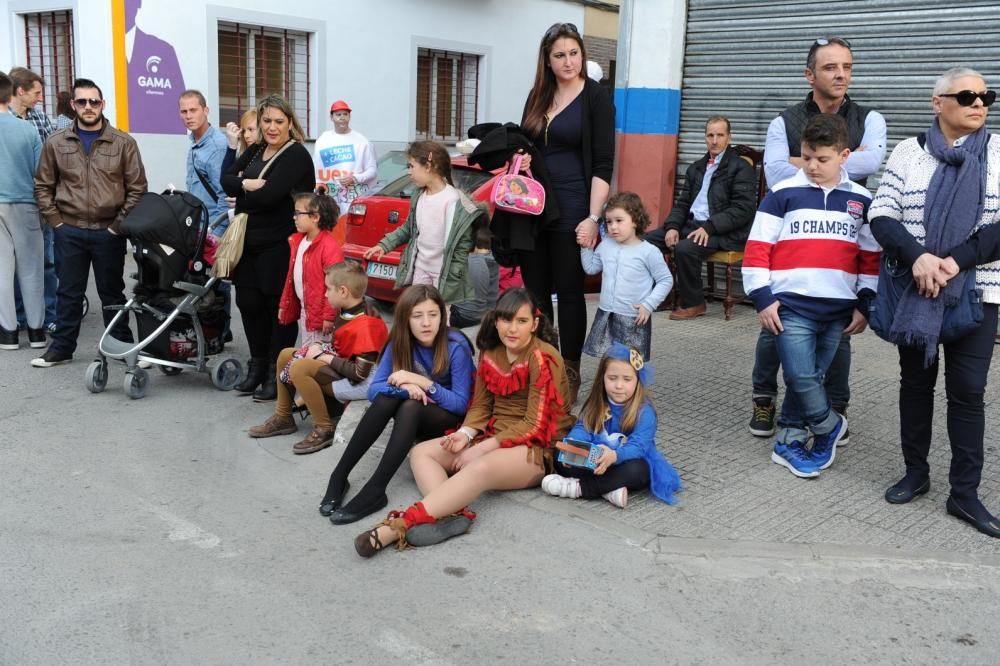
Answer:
(713, 212)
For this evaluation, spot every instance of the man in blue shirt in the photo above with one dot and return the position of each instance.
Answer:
(204, 159)
(23, 104)
(204, 170)
(21, 253)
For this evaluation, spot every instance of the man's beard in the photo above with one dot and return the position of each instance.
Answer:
(90, 127)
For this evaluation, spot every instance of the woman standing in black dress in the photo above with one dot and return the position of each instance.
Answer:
(260, 274)
(571, 121)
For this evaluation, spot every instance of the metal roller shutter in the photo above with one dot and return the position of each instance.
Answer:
(744, 59)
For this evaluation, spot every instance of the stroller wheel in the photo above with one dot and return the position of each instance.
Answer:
(226, 372)
(86, 306)
(96, 376)
(169, 370)
(136, 383)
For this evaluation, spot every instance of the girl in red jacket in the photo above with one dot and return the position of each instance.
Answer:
(313, 249)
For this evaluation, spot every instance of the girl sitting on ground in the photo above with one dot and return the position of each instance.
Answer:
(519, 409)
(620, 419)
(423, 383)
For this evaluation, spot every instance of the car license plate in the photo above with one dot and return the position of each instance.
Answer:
(385, 271)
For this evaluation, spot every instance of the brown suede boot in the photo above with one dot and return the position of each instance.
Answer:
(573, 377)
(275, 425)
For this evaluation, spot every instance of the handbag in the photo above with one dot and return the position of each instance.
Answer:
(230, 246)
(515, 192)
(894, 279)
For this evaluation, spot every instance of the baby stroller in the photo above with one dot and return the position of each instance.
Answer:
(179, 316)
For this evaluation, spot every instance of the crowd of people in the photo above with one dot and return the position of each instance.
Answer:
(497, 414)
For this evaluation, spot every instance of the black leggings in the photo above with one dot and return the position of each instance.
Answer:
(412, 421)
(632, 474)
(555, 266)
(259, 312)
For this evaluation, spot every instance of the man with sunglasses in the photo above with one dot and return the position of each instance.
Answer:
(829, 66)
(89, 177)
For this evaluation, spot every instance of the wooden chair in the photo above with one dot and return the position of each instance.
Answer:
(731, 259)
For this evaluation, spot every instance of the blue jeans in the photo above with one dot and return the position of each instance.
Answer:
(806, 348)
(51, 280)
(79, 250)
(766, 364)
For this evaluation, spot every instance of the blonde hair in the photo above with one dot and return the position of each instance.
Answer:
(595, 409)
(248, 115)
(348, 274)
(281, 104)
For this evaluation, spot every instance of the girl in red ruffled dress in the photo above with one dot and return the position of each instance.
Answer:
(519, 410)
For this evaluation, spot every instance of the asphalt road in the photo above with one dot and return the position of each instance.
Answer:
(156, 532)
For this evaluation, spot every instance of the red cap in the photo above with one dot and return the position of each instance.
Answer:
(340, 105)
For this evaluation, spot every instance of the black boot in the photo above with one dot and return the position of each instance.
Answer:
(255, 375)
(268, 390)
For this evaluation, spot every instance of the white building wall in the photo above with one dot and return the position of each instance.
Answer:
(363, 52)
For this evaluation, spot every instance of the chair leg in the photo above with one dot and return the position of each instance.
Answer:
(710, 269)
(727, 303)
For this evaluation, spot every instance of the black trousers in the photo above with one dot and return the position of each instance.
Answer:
(259, 312)
(688, 258)
(554, 267)
(632, 474)
(413, 422)
(967, 364)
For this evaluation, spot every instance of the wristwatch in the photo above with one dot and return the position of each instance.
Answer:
(594, 218)
(432, 389)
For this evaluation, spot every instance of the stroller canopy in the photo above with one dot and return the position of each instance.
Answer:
(176, 219)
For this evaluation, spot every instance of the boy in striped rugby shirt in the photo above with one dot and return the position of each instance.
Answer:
(811, 268)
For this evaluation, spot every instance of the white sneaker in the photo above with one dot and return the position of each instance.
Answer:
(618, 497)
(561, 486)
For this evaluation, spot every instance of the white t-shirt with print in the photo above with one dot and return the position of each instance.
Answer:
(336, 156)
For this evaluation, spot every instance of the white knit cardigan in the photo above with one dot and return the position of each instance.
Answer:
(902, 193)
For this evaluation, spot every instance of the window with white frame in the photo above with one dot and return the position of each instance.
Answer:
(447, 94)
(48, 40)
(256, 61)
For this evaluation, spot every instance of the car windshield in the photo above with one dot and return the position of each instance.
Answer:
(466, 179)
(391, 166)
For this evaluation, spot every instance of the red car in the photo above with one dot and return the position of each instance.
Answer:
(371, 217)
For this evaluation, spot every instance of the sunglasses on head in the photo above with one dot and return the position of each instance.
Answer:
(561, 27)
(83, 103)
(826, 41)
(968, 97)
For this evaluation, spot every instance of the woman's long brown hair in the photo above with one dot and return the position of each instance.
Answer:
(595, 409)
(544, 88)
(401, 339)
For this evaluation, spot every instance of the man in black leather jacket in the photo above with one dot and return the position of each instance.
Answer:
(709, 215)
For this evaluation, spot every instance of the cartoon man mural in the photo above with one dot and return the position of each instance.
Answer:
(154, 79)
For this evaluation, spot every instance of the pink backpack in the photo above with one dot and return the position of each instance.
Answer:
(518, 193)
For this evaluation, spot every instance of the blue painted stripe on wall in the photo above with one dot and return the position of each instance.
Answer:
(647, 110)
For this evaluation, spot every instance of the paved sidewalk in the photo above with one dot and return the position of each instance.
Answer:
(734, 491)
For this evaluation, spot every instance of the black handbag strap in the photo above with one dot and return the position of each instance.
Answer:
(207, 185)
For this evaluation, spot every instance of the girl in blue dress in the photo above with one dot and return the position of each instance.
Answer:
(619, 417)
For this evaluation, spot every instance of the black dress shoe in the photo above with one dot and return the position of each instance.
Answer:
(976, 515)
(354, 511)
(906, 490)
(330, 505)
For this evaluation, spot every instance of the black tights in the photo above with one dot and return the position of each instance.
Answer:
(631, 474)
(412, 421)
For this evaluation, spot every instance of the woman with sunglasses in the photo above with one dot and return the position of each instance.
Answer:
(937, 212)
(571, 120)
(260, 275)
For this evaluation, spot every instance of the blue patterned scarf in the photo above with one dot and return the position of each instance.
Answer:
(953, 207)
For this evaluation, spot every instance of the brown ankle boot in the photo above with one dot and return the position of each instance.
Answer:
(573, 377)
(317, 440)
(276, 425)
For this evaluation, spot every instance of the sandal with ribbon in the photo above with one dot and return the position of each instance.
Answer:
(367, 544)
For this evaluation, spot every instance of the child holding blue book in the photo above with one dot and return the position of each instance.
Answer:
(619, 418)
